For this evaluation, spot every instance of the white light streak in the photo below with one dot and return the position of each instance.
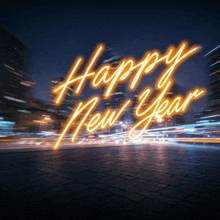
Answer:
(215, 63)
(212, 50)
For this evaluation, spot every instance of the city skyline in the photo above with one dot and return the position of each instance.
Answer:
(56, 40)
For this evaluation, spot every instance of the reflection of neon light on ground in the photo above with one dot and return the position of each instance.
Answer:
(199, 140)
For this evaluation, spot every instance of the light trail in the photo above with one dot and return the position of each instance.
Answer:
(200, 140)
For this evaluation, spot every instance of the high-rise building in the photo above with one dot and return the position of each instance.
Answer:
(14, 77)
(134, 107)
(68, 103)
(117, 96)
(169, 120)
(213, 63)
(179, 118)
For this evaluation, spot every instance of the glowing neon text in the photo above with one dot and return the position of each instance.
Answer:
(160, 106)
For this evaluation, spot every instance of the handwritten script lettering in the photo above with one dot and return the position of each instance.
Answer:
(127, 68)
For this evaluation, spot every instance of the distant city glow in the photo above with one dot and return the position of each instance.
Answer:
(159, 119)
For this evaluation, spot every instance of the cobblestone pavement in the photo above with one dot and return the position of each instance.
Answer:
(126, 182)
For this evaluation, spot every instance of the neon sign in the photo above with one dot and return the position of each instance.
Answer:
(127, 68)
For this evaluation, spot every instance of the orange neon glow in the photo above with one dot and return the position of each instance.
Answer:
(143, 65)
(89, 67)
(158, 108)
(176, 58)
(94, 123)
(81, 77)
(93, 102)
(201, 140)
(106, 68)
(67, 82)
(124, 67)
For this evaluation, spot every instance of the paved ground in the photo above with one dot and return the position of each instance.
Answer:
(128, 182)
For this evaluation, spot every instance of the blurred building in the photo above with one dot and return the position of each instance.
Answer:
(14, 76)
(135, 102)
(6, 127)
(166, 121)
(179, 118)
(68, 103)
(134, 106)
(171, 120)
(117, 96)
(38, 117)
(213, 64)
(38, 120)
(197, 116)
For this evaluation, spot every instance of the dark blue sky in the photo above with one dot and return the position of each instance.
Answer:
(58, 32)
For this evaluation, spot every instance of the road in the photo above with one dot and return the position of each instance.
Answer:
(151, 181)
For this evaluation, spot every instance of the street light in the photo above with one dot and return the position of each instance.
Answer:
(159, 120)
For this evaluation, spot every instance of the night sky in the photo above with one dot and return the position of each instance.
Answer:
(57, 32)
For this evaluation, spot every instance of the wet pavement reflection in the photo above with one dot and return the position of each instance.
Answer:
(118, 182)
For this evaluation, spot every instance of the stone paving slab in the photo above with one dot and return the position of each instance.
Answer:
(124, 182)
